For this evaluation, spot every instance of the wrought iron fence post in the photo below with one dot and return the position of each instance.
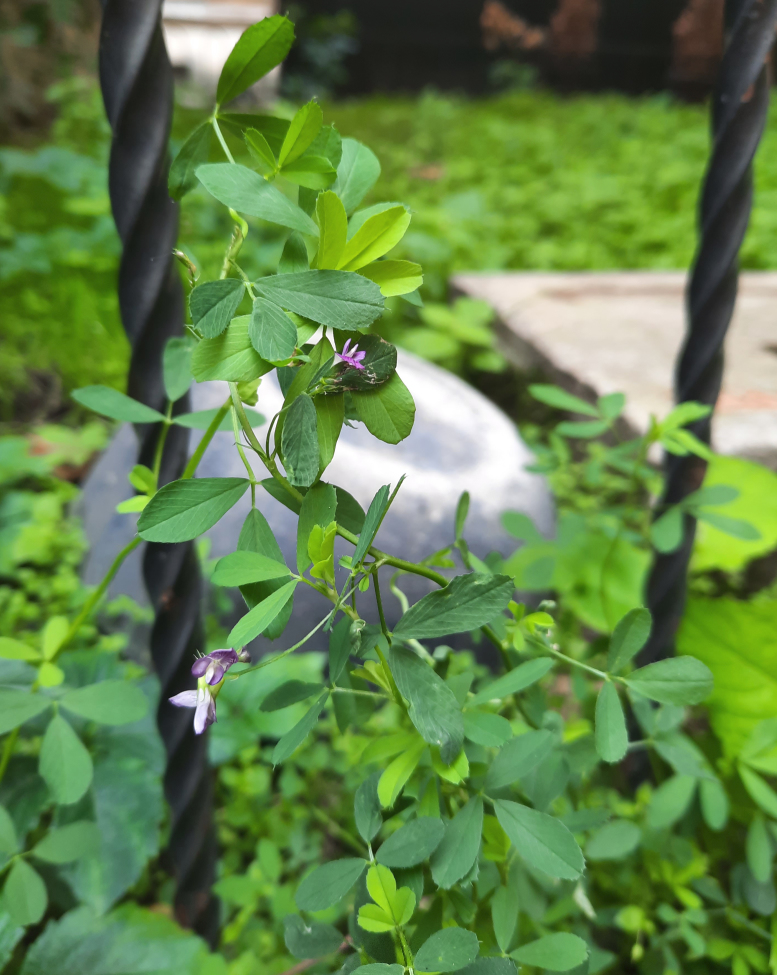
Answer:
(137, 85)
(739, 110)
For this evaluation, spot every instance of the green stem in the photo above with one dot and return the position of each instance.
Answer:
(358, 693)
(379, 601)
(338, 831)
(8, 748)
(160, 444)
(98, 593)
(202, 446)
(405, 949)
(221, 139)
(249, 469)
(571, 660)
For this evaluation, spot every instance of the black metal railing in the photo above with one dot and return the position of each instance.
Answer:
(137, 85)
(739, 109)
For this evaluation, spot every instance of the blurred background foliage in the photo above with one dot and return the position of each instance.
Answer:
(525, 180)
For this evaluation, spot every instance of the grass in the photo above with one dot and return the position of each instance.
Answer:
(527, 180)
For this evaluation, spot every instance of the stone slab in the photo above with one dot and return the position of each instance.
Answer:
(598, 333)
(460, 441)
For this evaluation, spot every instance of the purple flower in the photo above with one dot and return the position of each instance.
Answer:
(215, 664)
(209, 671)
(202, 701)
(352, 357)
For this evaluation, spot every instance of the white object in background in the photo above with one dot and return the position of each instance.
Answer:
(200, 34)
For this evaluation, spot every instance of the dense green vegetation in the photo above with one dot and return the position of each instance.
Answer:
(524, 181)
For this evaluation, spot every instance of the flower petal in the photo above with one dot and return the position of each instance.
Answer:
(186, 699)
(206, 711)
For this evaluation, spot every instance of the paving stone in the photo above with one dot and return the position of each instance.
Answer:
(600, 333)
(460, 441)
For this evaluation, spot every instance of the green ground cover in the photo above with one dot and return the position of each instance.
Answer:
(521, 181)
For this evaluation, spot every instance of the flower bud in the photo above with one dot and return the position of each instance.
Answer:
(355, 635)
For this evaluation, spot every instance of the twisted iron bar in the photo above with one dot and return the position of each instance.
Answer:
(137, 85)
(739, 109)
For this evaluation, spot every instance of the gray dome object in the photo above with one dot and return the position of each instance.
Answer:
(460, 442)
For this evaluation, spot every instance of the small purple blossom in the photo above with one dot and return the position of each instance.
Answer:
(209, 671)
(214, 665)
(352, 356)
(204, 705)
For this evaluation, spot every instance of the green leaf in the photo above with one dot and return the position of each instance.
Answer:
(378, 968)
(339, 299)
(202, 419)
(678, 680)
(760, 792)
(303, 129)
(182, 510)
(357, 173)
(111, 403)
(412, 843)
(273, 129)
(714, 803)
(260, 149)
(542, 840)
(288, 693)
(328, 884)
(466, 603)
(372, 520)
(309, 939)
(67, 843)
(377, 235)
(493, 965)
(319, 507)
(670, 801)
(299, 442)
(24, 894)
(273, 334)
(366, 806)
(291, 741)
(230, 356)
(611, 737)
(614, 841)
(16, 707)
(396, 775)
(111, 702)
(666, 532)
(9, 842)
(339, 648)
(736, 527)
(294, 257)
(737, 640)
(628, 638)
(484, 728)
(504, 917)
(176, 367)
(260, 48)
(327, 144)
(758, 848)
(555, 952)
(583, 429)
(256, 536)
(433, 709)
(312, 172)
(258, 619)
(756, 502)
(388, 412)
(394, 277)
(130, 940)
(192, 154)
(523, 676)
(454, 857)
(242, 568)
(447, 951)
(518, 757)
(332, 230)
(247, 192)
(562, 400)
(330, 414)
(16, 650)
(64, 762)
(213, 305)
